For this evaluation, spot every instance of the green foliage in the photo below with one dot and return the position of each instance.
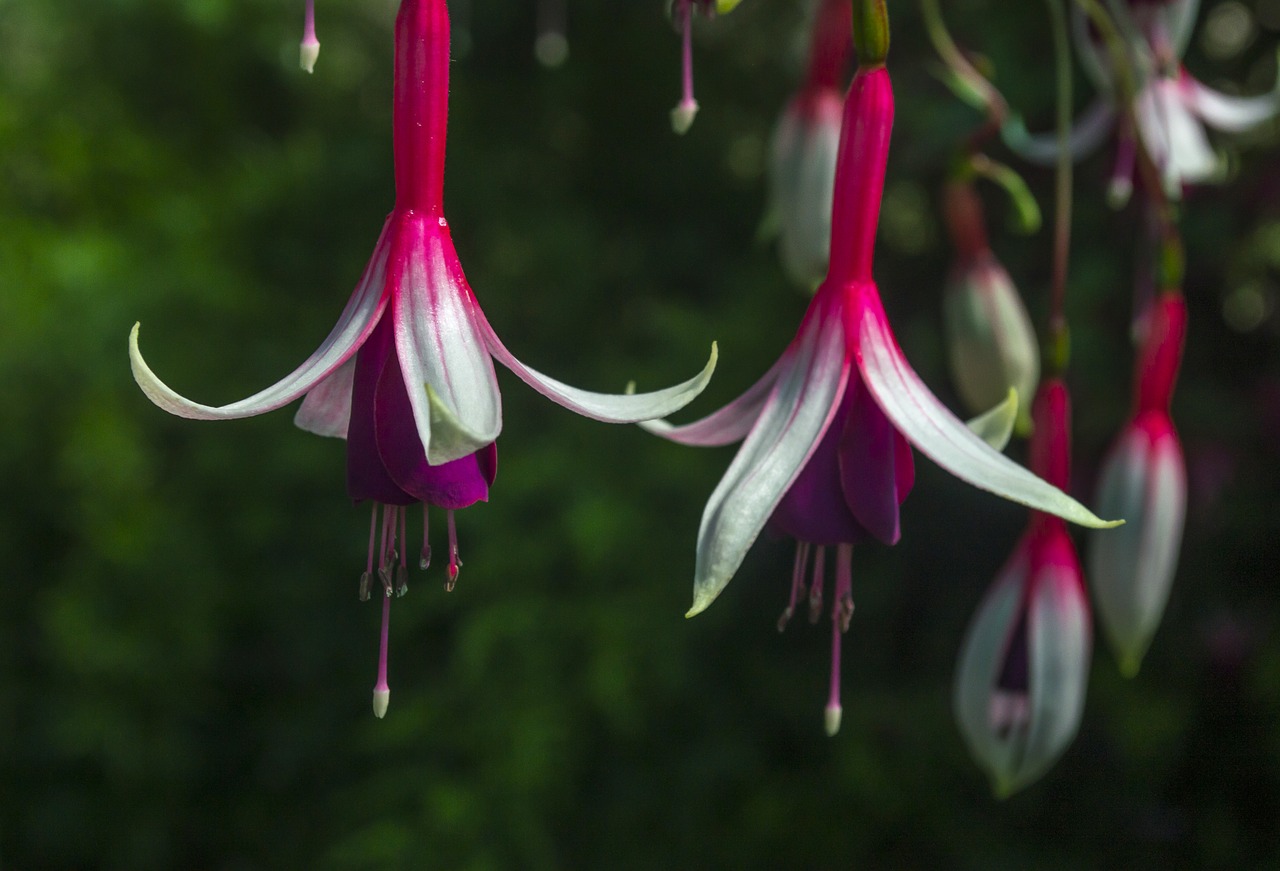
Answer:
(186, 668)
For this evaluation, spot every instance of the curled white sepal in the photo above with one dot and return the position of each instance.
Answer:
(995, 426)
(356, 322)
(326, 409)
(938, 433)
(606, 407)
(1088, 132)
(793, 420)
(728, 424)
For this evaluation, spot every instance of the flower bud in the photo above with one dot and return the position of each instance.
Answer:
(1143, 480)
(1020, 686)
(991, 341)
(802, 171)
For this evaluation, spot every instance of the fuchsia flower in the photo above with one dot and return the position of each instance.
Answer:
(1024, 667)
(1144, 477)
(406, 375)
(826, 456)
(1172, 108)
(802, 153)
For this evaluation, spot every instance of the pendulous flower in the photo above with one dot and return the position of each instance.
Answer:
(406, 376)
(1024, 666)
(802, 153)
(1144, 476)
(1171, 107)
(827, 431)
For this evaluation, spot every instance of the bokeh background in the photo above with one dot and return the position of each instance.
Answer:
(185, 669)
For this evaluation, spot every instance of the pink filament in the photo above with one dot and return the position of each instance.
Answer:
(686, 52)
(454, 563)
(815, 588)
(841, 611)
(309, 25)
(425, 559)
(797, 583)
(381, 686)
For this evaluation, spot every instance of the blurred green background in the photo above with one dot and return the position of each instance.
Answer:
(185, 669)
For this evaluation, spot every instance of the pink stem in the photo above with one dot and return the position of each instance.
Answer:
(686, 52)
(309, 24)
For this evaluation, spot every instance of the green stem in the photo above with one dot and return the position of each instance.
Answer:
(1058, 349)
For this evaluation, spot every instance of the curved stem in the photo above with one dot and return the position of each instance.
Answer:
(1058, 350)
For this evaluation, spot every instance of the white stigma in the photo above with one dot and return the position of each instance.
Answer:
(381, 698)
(308, 52)
(830, 717)
(682, 116)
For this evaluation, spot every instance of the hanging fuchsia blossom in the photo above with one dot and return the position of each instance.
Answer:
(406, 375)
(1172, 108)
(826, 432)
(802, 154)
(1024, 667)
(1145, 477)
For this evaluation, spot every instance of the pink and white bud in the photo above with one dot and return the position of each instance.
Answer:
(802, 154)
(1144, 480)
(991, 343)
(802, 172)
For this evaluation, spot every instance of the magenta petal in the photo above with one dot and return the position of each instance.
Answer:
(453, 484)
(869, 464)
(814, 508)
(367, 477)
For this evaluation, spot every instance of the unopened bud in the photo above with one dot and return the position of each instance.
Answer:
(991, 340)
(381, 699)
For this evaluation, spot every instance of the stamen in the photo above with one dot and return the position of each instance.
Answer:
(815, 588)
(402, 573)
(309, 49)
(382, 692)
(385, 555)
(455, 564)
(424, 559)
(841, 613)
(683, 114)
(842, 609)
(366, 579)
(797, 583)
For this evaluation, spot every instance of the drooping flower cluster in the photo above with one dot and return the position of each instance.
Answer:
(827, 432)
(406, 376)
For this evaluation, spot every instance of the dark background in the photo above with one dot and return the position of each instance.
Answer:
(184, 667)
